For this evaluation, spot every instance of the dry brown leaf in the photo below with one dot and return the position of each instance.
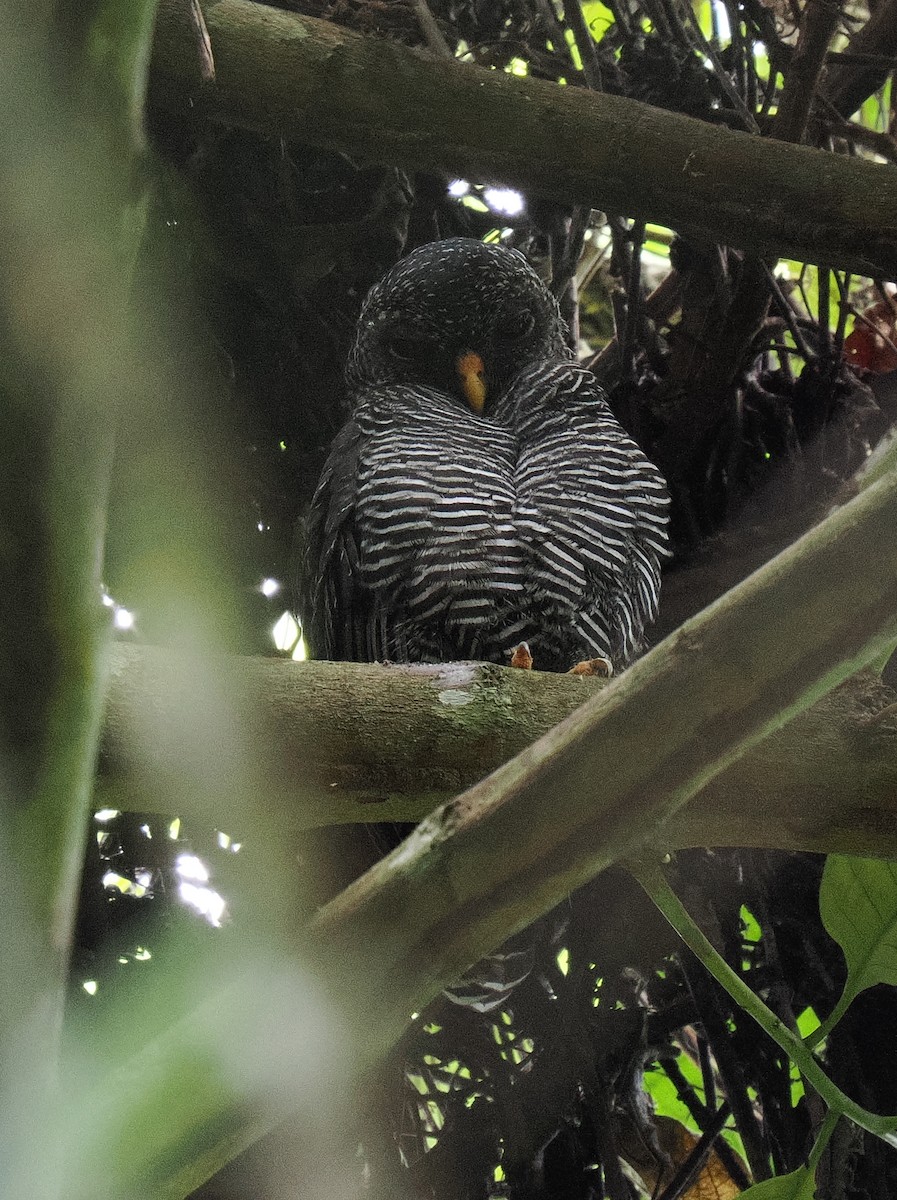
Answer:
(677, 1142)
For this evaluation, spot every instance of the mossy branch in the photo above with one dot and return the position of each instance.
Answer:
(352, 742)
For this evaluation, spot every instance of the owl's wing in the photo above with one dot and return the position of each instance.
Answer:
(411, 547)
(597, 506)
(333, 608)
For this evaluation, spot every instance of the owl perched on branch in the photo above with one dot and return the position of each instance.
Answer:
(482, 493)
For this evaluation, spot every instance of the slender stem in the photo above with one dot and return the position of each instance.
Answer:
(707, 1072)
(585, 43)
(430, 29)
(843, 310)
(823, 1137)
(783, 305)
(821, 1033)
(633, 299)
(704, 47)
(652, 879)
(735, 1084)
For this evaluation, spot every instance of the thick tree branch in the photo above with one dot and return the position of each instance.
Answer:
(295, 76)
(350, 742)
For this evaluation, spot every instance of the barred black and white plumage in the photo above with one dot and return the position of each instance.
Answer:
(445, 528)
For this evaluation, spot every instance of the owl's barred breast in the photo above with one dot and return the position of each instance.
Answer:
(485, 533)
(437, 521)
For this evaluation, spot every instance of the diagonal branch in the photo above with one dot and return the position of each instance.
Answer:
(818, 24)
(866, 67)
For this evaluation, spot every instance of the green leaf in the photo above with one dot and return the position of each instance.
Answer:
(807, 1022)
(110, 44)
(858, 903)
(666, 1099)
(799, 1185)
(652, 879)
(598, 17)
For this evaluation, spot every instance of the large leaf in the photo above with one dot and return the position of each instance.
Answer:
(858, 903)
(799, 1185)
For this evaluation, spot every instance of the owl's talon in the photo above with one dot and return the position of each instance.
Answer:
(603, 668)
(521, 657)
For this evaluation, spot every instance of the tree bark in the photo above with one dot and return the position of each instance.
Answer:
(295, 76)
(353, 742)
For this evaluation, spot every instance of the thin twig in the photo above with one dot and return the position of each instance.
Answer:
(703, 990)
(430, 29)
(722, 75)
(691, 1165)
(880, 143)
(658, 307)
(585, 43)
(847, 83)
(783, 304)
(843, 310)
(823, 295)
(707, 1073)
(703, 1117)
(818, 25)
(633, 299)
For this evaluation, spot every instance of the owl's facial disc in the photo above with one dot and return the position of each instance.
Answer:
(472, 373)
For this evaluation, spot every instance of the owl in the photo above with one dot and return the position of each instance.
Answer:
(482, 494)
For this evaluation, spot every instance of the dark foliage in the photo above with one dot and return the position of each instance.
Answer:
(731, 383)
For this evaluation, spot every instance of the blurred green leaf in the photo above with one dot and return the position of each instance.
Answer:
(751, 931)
(666, 1100)
(108, 48)
(704, 13)
(799, 1185)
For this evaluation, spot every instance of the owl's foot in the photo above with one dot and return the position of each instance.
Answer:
(521, 657)
(602, 667)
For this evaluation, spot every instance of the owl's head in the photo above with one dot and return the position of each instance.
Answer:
(457, 315)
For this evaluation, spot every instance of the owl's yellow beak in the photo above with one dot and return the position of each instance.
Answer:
(472, 373)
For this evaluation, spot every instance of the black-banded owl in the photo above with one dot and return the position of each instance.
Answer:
(482, 493)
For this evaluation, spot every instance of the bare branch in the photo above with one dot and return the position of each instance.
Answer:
(300, 77)
(849, 81)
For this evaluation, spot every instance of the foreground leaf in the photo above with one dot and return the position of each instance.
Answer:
(799, 1185)
(858, 904)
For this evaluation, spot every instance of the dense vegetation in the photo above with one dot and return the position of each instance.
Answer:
(205, 277)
